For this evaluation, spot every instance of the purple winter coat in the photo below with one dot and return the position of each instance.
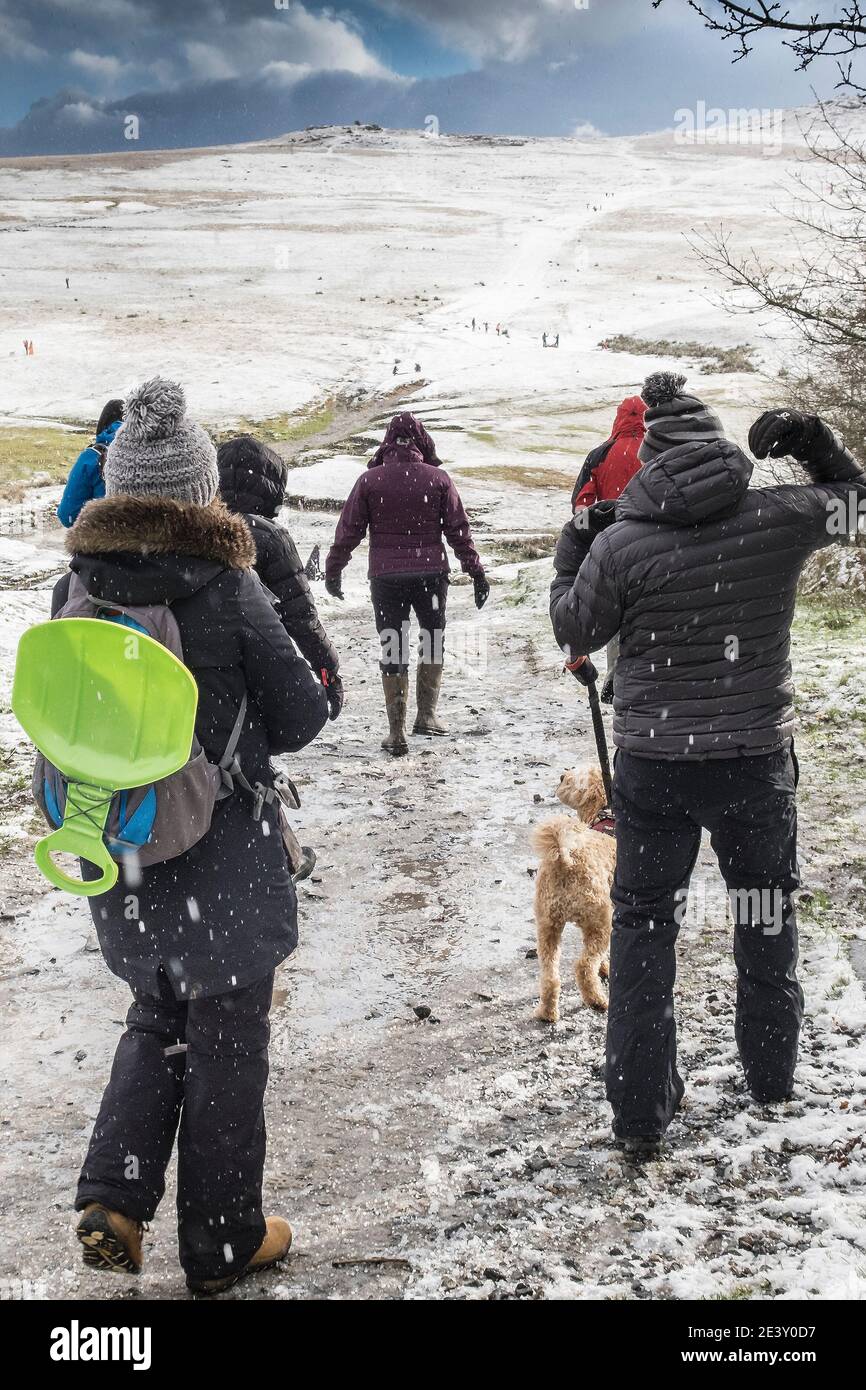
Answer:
(407, 506)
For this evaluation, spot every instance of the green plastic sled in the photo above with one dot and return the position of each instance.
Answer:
(111, 708)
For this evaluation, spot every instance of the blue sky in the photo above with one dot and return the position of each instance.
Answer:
(208, 71)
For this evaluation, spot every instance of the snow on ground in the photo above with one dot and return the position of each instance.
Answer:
(268, 275)
(468, 1155)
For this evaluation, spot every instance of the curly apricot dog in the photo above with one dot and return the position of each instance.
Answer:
(573, 885)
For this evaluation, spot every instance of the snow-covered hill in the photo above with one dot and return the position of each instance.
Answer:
(267, 275)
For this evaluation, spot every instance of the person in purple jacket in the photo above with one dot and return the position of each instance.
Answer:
(407, 503)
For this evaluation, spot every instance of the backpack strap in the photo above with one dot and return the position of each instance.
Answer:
(230, 768)
(100, 450)
(231, 747)
(233, 775)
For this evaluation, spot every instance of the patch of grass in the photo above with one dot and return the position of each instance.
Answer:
(831, 612)
(37, 451)
(739, 1293)
(289, 426)
(512, 548)
(542, 449)
(711, 359)
(523, 477)
(15, 772)
(521, 591)
(815, 904)
(838, 987)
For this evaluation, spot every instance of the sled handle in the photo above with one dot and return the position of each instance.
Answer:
(80, 834)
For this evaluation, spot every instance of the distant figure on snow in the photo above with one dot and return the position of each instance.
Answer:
(544, 340)
(407, 503)
(86, 479)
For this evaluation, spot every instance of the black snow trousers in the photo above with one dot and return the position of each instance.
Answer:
(749, 806)
(204, 1065)
(395, 597)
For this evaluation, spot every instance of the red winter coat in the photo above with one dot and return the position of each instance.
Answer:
(611, 466)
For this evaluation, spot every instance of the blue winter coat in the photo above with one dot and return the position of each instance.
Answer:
(85, 481)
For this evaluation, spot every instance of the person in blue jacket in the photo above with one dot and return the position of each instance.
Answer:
(85, 480)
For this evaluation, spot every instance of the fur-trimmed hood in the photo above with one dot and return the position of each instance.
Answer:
(123, 525)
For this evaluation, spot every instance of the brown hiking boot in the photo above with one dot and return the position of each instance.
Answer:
(396, 690)
(274, 1248)
(110, 1240)
(427, 686)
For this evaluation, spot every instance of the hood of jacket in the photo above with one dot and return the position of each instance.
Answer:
(139, 550)
(687, 485)
(252, 477)
(389, 454)
(406, 432)
(105, 436)
(629, 418)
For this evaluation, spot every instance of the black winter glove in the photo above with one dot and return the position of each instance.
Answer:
(585, 672)
(591, 521)
(334, 587)
(809, 440)
(780, 432)
(482, 589)
(334, 692)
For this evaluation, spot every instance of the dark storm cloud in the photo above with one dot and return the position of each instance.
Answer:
(201, 73)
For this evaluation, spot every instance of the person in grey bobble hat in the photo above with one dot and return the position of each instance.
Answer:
(159, 450)
(196, 937)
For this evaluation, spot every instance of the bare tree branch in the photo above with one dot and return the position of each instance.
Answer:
(820, 291)
(836, 36)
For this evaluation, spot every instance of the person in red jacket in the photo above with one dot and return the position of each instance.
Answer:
(409, 506)
(603, 477)
(613, 464)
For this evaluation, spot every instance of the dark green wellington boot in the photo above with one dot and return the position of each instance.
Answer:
(428, 685)
(396, 690)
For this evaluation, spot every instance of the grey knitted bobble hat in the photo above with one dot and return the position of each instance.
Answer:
(674, 418)
(159, 451)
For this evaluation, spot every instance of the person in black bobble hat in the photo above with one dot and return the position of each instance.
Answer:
(697, 571)
(252, 482)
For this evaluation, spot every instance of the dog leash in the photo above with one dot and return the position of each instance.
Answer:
(600, 740)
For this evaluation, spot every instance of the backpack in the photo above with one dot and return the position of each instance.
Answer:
(163, 819)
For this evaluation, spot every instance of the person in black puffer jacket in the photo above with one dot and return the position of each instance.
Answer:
(253, 483)
(698, 573)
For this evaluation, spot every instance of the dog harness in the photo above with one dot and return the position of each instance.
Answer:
(604, 822)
